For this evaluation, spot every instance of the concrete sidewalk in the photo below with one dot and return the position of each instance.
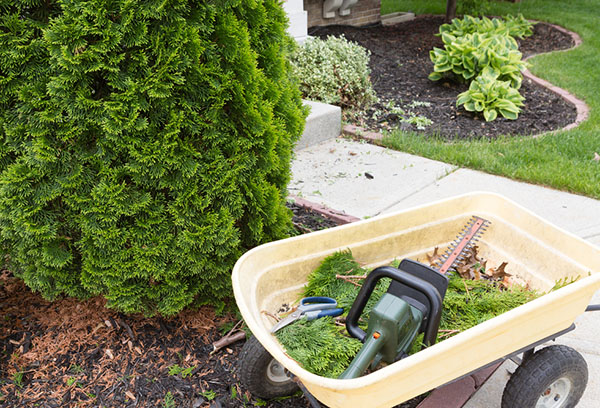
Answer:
(366, 180)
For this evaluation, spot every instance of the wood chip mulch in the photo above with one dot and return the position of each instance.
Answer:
(71, 353)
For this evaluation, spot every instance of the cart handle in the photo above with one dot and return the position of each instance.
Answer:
(593, 308)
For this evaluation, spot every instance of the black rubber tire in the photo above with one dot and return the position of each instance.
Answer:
(254, 365)
(544, 368)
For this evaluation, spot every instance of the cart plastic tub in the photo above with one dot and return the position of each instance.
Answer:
(536, 251)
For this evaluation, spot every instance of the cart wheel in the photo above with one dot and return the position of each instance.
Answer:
(261, 374)
(553, 377)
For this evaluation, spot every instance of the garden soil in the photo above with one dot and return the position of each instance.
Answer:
(400, 65)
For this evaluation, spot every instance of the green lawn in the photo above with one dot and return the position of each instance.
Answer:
(563, 160)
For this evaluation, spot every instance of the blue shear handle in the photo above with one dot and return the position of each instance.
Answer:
(318, 299)
(316, 314)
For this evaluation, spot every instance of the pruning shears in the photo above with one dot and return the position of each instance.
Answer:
(310, 308)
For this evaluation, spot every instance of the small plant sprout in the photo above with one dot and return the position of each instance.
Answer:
(175, 369)
(75, 369)
(17, 379)
(168, 401)
(421, 122)
(391, 106)
(416, 104)
(209, 395)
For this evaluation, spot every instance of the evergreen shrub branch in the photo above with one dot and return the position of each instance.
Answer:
(326, 349)
(144, 145)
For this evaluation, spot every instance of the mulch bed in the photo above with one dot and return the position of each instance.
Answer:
(400, 65)
(306, 220)
(71, 353)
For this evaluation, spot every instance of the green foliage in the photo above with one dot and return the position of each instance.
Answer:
(486, 53)
(473, 7)
(209, 395)
(507, 26)
(324, 348)
(144, 145)
(491, 96)
(17, 379)
(467, 55)
(518, 26)
(484, 300)
(320, 346)
(334, 71)
(183, 372)
(566, 281)
(323, 281)
(168, 401)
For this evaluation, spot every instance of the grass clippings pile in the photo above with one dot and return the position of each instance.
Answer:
(323, 346)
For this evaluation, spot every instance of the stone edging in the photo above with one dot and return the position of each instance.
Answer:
(452, 395)
(583, 111)
(339, 217)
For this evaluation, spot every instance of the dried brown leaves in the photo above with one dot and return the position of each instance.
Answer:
(472, 266)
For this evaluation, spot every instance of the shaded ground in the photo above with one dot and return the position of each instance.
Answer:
(307, 220)
(400, 65)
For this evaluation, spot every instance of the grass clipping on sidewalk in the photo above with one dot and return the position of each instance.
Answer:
(324, 347)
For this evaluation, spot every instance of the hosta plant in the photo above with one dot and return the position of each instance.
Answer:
(466, 56)
(508, 25)
(491, 96)
(473, 46)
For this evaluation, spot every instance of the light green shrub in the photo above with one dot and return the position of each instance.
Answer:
(468, 55)
(490, 96)
(334, 71)
(517, 26)
(486, 53)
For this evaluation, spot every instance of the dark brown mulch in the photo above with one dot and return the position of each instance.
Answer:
(400, 65)
(307, 220)
(71, 353)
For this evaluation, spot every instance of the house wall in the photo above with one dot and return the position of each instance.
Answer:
(364, 12)
(297, 16)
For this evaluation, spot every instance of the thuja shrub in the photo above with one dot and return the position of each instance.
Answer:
(145, 145)
(334, 71)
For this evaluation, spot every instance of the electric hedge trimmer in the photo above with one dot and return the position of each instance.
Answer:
(411, 305)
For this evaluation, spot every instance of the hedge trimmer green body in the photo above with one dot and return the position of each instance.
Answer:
(393, 326)
(411, 305)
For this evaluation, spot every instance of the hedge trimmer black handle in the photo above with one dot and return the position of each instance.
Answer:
(422, 286)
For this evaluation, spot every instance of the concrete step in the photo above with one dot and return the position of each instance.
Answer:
(323, 123)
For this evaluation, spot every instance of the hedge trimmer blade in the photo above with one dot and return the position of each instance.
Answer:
(464, 241)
